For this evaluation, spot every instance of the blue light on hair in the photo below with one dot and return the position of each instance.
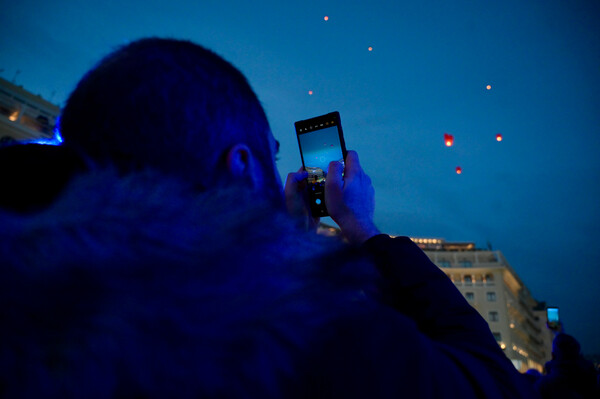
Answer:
(56, 138)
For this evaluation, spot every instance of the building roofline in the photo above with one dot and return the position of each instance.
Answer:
(27, 95)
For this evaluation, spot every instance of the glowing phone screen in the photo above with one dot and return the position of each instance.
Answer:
(319, 147)
(552, 315)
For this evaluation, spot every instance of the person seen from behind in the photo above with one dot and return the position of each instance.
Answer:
(175, 264)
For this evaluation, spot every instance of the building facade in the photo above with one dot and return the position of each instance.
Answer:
(492, 286)
(25, 117)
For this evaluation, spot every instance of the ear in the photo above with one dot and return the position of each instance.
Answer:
(240, 162)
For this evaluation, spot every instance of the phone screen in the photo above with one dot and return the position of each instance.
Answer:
(553, 319)
(553, 314)
(319, 147)
(321, 141)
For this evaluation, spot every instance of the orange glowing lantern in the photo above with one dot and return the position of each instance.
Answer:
(326, 18)
(370, 48)
(498, 137)
(458, 170)
(448, 139)
(310, 92)
(489, 87)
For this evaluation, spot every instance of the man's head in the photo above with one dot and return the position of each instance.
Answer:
(565, 347)
(173, 106)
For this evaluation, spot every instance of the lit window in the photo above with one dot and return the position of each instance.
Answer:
(470, 296)
(490, 296)
(493, 316)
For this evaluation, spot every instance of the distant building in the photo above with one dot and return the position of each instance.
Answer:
(25, 117)
(493, 287)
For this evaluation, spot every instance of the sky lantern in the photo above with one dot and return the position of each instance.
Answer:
(310, 92)
(499, 137)
(370, 48)
(326, 18)
(448, 139)
(489, 87)
(458, 170)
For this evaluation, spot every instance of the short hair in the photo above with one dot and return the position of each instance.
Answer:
(166, 104)
(565, 346)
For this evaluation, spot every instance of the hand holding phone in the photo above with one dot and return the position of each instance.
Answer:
(321, 141)
(337, 184)
(351, 199)
(296, 200)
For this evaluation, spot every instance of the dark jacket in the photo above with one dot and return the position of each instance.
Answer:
(138, 287)
(569, 378)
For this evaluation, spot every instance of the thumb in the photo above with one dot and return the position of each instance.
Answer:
(334, 181)
(352, 165)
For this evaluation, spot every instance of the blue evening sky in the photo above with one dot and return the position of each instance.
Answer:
(535, 196)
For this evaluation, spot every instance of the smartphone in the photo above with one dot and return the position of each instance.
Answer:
(552, 316)
(321, 140)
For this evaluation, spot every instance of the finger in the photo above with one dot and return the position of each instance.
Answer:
(296, 177)
(293, 181)
(353, 167)
(334, 175)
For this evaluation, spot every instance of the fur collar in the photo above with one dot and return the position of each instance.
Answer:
(104, 216)
(134, 284)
